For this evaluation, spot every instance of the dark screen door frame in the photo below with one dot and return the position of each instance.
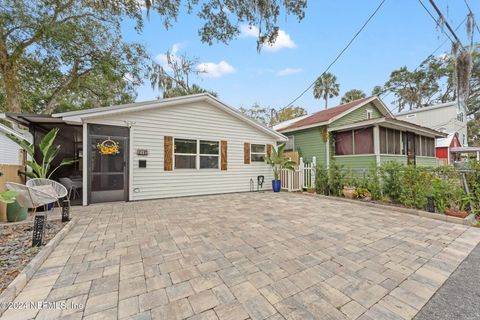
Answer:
(126, 138)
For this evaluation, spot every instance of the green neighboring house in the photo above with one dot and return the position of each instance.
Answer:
(360, 134)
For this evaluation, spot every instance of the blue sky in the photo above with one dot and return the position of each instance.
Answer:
(400, 34)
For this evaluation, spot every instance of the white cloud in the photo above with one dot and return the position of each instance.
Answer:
(215, 70)
(283, 39)
(161, 58)
(288, 71)
(247, 31)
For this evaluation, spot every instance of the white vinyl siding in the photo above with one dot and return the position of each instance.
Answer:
(10, 152)
(200, 121)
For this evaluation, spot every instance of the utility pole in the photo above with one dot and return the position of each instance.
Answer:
(432, 2)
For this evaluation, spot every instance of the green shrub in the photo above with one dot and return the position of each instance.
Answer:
(321, 180)
(336, 178)
(473, 181)
(391, 177)
(373, 183)
(416, 185)
(441, 192)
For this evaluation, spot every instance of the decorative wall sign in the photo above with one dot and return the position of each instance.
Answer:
(108, 147)
(142, 152)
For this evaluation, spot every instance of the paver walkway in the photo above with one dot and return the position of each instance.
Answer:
(239, 256)
(459, 297)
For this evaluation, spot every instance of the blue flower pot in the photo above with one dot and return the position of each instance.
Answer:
(276, 185)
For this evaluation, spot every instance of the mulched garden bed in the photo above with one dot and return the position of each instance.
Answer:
(16, 247)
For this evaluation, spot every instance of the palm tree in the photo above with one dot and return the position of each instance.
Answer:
(352, 95)
(326, 87)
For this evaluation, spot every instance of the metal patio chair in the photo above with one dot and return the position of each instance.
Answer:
(28, 197)
(72, 187)
(49, 186)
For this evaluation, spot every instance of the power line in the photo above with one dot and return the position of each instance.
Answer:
(437, 23)
(473, 16)
(338, 56)
(441, 16)
(431, 54)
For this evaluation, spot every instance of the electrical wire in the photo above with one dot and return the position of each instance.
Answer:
(338, 56)
(471, 12)
(431, 54)
(436, 20)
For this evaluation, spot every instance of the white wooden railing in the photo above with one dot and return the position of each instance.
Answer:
(302, 177)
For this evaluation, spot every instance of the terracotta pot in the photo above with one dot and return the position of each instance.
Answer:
(456, 213)
(311, 190)
(348, 192)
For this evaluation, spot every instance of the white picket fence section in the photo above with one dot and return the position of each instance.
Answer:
(301, 178)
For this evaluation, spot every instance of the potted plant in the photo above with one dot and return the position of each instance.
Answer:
(348, 189)
(14, 211)
(311, 189)
(362, 193)
(279, 161)
(49, 151)
(457, 208)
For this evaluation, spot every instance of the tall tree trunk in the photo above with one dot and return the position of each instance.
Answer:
(326, 102)
(11, 85)
(9, 77)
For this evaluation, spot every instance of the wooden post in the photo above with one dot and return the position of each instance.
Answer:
(376, 144)
(313, 171)
(301, 172)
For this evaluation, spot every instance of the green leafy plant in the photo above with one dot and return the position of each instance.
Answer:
(49, 151)
(361, 193)
(441, 193)
(391, 176)
(7, 196)
(336, 179)
(279, 161)
(373, 183)
(321, 180)
(415, 187)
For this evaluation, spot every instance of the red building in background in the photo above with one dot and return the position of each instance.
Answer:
(442, 149)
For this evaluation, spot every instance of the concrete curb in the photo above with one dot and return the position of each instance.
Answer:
(468, 221)
(17, 285)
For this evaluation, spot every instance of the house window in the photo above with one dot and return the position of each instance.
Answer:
(187, 151)
(185, 154)
(359, 141)
(257, 153)
(363, 141)
(460, 116)
(391, 141)
(209, 154)
(290, 144)
(424, 146)
(369, 114)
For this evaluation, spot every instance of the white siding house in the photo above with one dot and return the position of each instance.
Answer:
(199, 117)
(10, 152)
(448, 118)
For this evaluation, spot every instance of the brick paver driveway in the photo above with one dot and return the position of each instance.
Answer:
(252, 255)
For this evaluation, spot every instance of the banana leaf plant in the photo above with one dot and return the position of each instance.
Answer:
(49, 151)
(278, 160)
(7, 196)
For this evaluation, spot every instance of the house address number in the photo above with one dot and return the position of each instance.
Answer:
(142, 152)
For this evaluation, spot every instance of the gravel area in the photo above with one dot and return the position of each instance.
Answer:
(459, 297)
(16, 248)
